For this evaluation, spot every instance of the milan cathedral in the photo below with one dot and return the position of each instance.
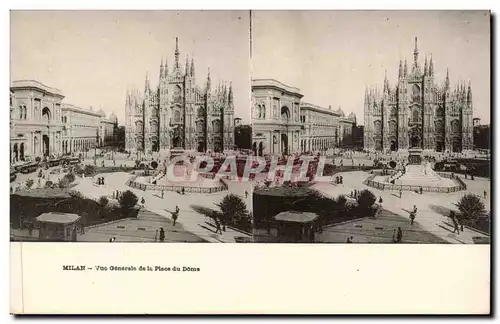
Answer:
(178, 114)
(419, 113)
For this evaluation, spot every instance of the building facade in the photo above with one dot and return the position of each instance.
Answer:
(276, 125)
(418, 112)
(35, 120)
(282, 124)
(179, 114)
(80, 129)
(108, 130)
(320, 128)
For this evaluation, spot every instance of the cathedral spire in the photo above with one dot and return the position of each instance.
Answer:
(386, 82)
(400, 71)
(431, 68)
(162, 70)
(146, 83)
(426, 69)
(405, 69)
(192, 67)
(209, 82)
(230, 95)
(447, 80)
(469, 92)
(186, 72)
(176, 66)
(415, 54)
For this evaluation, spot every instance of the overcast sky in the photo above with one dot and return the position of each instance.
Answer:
(331, 55)
(92, 56)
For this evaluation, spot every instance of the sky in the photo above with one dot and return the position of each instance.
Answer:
(332, 55)
(93, 56)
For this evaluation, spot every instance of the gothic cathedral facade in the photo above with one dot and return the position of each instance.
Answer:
(418, 113)
(178, 114)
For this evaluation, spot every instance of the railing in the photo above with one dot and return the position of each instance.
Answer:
(388, 186)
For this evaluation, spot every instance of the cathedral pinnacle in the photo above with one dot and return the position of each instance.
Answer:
(187, 73)
(431, 68)
(426, 70)
(400, 71)
(192, 67)
(406, 69)
(415, 54)
(177, 53)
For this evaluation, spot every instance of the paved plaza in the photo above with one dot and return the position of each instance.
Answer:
(433, 208)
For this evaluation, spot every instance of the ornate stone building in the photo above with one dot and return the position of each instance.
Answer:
(281, 124)
(35, 120)
(276, 123)
(418, 112)
(179, 114)
(320, 127)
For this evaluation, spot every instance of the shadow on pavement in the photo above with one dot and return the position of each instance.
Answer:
(440, 210)
(211, 213)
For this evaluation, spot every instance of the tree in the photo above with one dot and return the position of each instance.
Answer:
(233, 211)
(103, 201)
(29, 183)
(471, 207)
(154, 164)
(63, 182)
(392, 164)
(365, 200)
(341, 202)
(128, 199)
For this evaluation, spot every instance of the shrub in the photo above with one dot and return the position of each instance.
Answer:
(341, 202)
(38, 159)
(70, 176)
(392, 164)
(103, 201)
(366, 199)
(63, 182)
(154, 164)
(233, 211)
(76, 195)
(128, 199)
(29, 183)
(49, 184)
(471, 207)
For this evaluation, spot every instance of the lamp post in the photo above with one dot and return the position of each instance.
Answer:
(95, 146)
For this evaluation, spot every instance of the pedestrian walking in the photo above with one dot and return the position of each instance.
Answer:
(399, 235)
(400, 193)
(453, 217)
(380, 201)
(174, 216)
(162, 194)
(394, 236)
(246, 194)
(412, 218)
(218, 228)
(415, 209)
(143, 201)
(350, 239)
(485, 194)
(156, 236)
(162, 234)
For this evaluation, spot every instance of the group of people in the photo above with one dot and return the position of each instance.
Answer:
(100, 181)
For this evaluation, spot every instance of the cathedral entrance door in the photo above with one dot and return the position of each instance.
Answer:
(414, 141)
(378, 145)
(176, 141)
(254, 148)
(456, 146)
(261, 148)
(155, 147)
(201, 146)
(393, 146)
(439, 146)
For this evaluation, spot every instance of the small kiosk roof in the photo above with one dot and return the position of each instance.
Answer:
(61, 218)
(296, 216)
